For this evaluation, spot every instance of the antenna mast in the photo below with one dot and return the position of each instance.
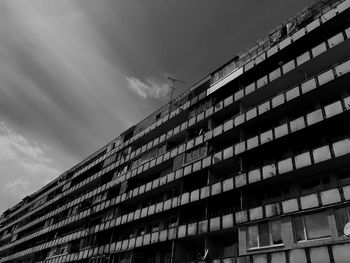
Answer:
(172, 87)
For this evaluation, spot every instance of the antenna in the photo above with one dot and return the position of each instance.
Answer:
(172, 87)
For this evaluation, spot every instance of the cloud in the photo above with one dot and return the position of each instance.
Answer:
(25, 167)
(57, 86)
(152, 88)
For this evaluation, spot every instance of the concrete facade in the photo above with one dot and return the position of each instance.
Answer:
(250, 165)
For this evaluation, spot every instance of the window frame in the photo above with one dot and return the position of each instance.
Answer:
(258, 236)
(337, 220)
(201, 150)
(305, 231)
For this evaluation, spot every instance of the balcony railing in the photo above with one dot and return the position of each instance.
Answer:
(320, 12)
(330, 110)
(313, 200)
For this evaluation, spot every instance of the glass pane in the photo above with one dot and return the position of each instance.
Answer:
(276, 232)
(299, 228)
(264, 235)
(342, 218)
(252, 236)
(188, 157)
(317, 225)
(195, 154)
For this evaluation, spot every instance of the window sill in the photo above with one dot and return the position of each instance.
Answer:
(56, 256)
(265, 247)
(311, 240)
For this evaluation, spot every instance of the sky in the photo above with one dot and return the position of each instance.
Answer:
(74, 74)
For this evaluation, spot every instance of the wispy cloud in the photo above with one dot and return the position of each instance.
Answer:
(151, 88)
(25, 167)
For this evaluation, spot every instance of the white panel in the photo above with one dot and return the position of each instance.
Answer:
(335, 40)
(325, 77)
(264, 107)
(343, 68)
(227, 184)
(333, 109)
(272, 210)
(299, 34)
(254, 176)
(313, 25)
(241, 216)
(250, 88)
(269, 171)
(346, 190)
(256, 213)
(192, 229)
(321, 154)
(275, 74)
(330, 196)
(239, 94)
(225, 80)
(278, 100)
(215, 224)
(297, 124)
(227, 221)
(341, 253)
(281, 130)
(278, 257)
(341, 147)
(288, 66)
(290, 205)
(309, 201)
(293, 93)
(239, 119)
(261, 82)
(266, 137)
(303, 58)
(327, 16)
(319, 255)
(262, 258)
(241, 180)
(343, 6)
(314, 117)
(302, 160)
(251, 114)
(308, 85)
(239, 147)
(285, 42)
(252, 142)
(272, 50)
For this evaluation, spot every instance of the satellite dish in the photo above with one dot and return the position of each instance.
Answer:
(347, 229)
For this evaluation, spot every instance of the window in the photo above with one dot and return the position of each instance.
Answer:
(316, 184)
(120, 171)
(59, 250)
(265, 234)
(196, 153)
(141, 231)
(109, 160)
(171, 223)
(155, 227)
(344, 177)
(99, 198)
(311, 226)
(109, 214)
(87, 242)
(342, 216)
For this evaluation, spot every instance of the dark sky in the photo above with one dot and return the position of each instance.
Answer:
(74, 74)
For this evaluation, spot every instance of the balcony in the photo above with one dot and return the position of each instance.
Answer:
(301, 203)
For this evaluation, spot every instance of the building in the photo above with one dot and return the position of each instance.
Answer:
(251, 164)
